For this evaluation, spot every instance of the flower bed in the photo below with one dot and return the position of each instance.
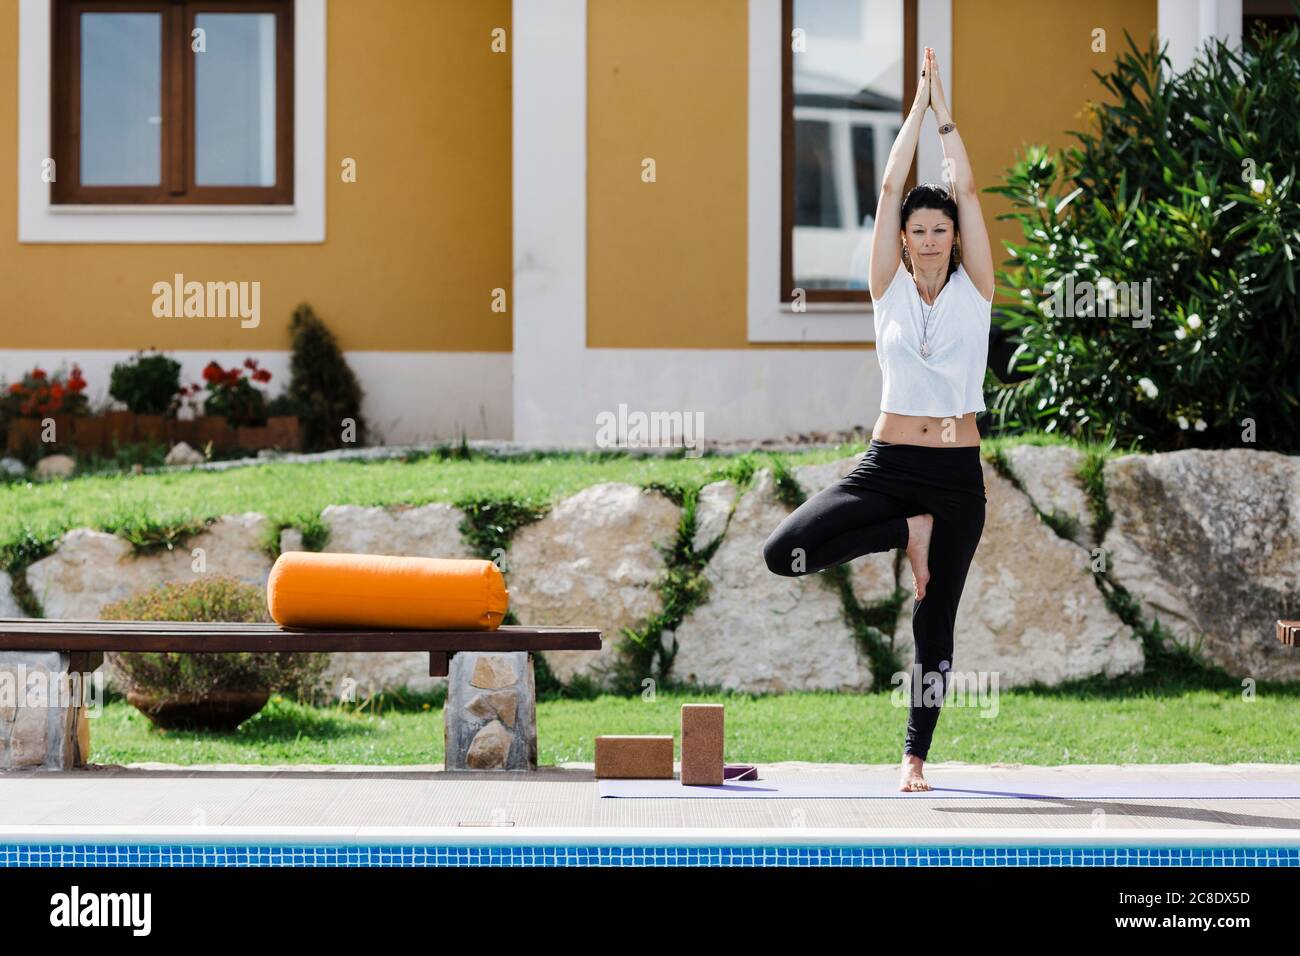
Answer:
(101, 433)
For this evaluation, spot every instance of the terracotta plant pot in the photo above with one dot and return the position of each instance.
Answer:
(218, 710)
(23, 433)
(182, 431)
(150, 428)
(285, 433)
(253, 436)
(215, 429)
(119, 429)
(63, 431)
(88, 433)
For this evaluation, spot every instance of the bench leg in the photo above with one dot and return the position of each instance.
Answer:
(43, 723)
(491, 712)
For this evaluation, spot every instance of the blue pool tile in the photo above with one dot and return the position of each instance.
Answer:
(190, 855)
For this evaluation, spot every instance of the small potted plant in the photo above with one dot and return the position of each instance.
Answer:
(235, 401)
(209, 691)
(40, 396)
(148, 386)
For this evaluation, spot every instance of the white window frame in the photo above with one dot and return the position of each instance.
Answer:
(39, 220)
(770, 319)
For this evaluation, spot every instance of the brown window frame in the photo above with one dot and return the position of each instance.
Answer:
(177, 185)
(787, 151)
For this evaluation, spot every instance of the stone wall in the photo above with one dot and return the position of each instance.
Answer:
(1207, 541)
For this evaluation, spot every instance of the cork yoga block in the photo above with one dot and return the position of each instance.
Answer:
(702, 744)
(312, 589)
(644, 757)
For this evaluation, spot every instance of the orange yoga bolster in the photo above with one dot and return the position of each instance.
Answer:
(316, 589)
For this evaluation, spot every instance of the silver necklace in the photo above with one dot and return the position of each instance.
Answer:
(925, 327)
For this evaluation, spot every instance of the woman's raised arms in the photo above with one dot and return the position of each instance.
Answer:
(976, 254)
(885, 248)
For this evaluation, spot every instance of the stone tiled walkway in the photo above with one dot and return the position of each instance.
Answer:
(144, 798)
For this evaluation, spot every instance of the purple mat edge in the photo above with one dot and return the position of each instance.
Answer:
(773, 789)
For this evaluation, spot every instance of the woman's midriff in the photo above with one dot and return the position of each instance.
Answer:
(947, 432)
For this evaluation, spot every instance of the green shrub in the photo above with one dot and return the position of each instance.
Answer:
(210, 598)
(1187, 182)
(146, 384)
(322, 390)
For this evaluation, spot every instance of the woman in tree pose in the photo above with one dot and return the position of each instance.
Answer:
(920, 485)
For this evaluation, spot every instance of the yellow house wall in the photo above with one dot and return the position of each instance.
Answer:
(669, 81)
(413, 249)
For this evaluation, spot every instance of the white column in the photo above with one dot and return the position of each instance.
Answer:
(1185, 25)
(549, 64)
(933, 29)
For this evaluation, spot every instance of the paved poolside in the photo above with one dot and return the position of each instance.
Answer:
(357, 802)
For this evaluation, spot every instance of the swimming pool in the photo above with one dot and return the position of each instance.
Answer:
(585, 848)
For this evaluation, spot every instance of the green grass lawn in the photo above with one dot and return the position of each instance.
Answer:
(1121, 723)
(296, 493)
(1100, 721)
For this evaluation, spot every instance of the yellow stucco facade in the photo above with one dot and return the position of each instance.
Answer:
(415, 247)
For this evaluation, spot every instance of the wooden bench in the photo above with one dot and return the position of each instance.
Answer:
(482, 736)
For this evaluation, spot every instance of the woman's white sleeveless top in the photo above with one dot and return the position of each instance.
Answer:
(950, 380)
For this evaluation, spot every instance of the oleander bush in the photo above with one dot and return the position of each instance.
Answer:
(1185, 185)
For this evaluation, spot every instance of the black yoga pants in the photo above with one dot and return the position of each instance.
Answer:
(867, 512)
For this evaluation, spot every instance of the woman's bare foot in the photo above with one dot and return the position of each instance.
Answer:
(912, 779)
(918, 550)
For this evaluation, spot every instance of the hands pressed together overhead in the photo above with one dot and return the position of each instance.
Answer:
(929, 91)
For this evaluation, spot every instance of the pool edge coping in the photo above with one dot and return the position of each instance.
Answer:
(28, 834)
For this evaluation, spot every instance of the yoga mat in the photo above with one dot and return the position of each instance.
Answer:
(1022, 788)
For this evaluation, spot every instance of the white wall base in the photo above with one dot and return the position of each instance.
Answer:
(409, 396)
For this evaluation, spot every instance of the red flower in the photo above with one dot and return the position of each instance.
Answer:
(212, 372)
(261, 375)
(38, 373)
(16, 388)
(250, 363)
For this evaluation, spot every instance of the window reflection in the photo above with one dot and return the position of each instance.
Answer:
(847, 87)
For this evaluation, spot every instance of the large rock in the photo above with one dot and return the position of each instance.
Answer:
(712, 512)
(90, 569)
(426, 531)
(1049, 475)
(592, 561)
(1030, 609)
(1209, 542)
(873, 576)
(8, 603)
(760, 631)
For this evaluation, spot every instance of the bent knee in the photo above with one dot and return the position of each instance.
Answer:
(783, 555)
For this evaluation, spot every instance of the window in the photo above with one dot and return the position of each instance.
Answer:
(172, 101)
(843, 64)
(1271, 16)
